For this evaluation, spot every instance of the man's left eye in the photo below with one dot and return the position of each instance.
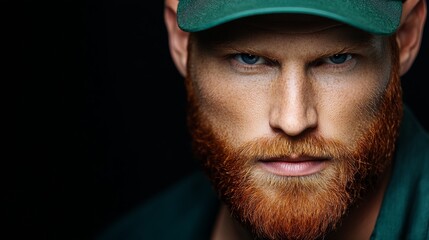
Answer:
(339, 58)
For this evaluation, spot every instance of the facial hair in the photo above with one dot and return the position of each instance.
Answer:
(304, 207)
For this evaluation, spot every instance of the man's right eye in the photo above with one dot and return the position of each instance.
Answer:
(249, 59)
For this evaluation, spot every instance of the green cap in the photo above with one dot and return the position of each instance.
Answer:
(374, 16)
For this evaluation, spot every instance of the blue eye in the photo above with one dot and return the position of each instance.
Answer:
(340, 58)
(248, 58)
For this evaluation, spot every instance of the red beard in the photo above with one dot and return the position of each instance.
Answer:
(307, 207)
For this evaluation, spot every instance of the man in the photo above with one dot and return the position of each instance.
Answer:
(297, 119)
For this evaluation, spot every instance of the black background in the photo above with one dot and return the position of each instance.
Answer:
(94, 110)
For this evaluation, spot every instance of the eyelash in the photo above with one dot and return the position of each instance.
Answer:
(237, 61)
(328, 60)
(321, 62)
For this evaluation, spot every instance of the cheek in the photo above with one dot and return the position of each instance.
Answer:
(235, 109)
(347, 111)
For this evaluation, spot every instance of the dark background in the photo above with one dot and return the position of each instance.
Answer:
(95, 113)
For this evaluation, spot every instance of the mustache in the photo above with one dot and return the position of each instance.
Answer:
(284, 147)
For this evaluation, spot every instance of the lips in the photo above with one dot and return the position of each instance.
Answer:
(294, 165)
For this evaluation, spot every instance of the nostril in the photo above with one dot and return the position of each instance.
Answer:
(292, 125)
(293, 121)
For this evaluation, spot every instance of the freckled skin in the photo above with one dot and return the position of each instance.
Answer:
(291, 93)
(294, 89)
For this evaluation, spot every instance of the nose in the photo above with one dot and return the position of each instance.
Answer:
(293, 109)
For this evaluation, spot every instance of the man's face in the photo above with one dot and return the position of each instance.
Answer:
(292, 118)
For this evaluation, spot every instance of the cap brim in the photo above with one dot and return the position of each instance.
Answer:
(378, 17)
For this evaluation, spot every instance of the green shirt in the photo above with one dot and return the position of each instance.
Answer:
(187, 210)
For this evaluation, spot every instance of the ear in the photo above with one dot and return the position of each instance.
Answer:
(410, 32)
(177, 39)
